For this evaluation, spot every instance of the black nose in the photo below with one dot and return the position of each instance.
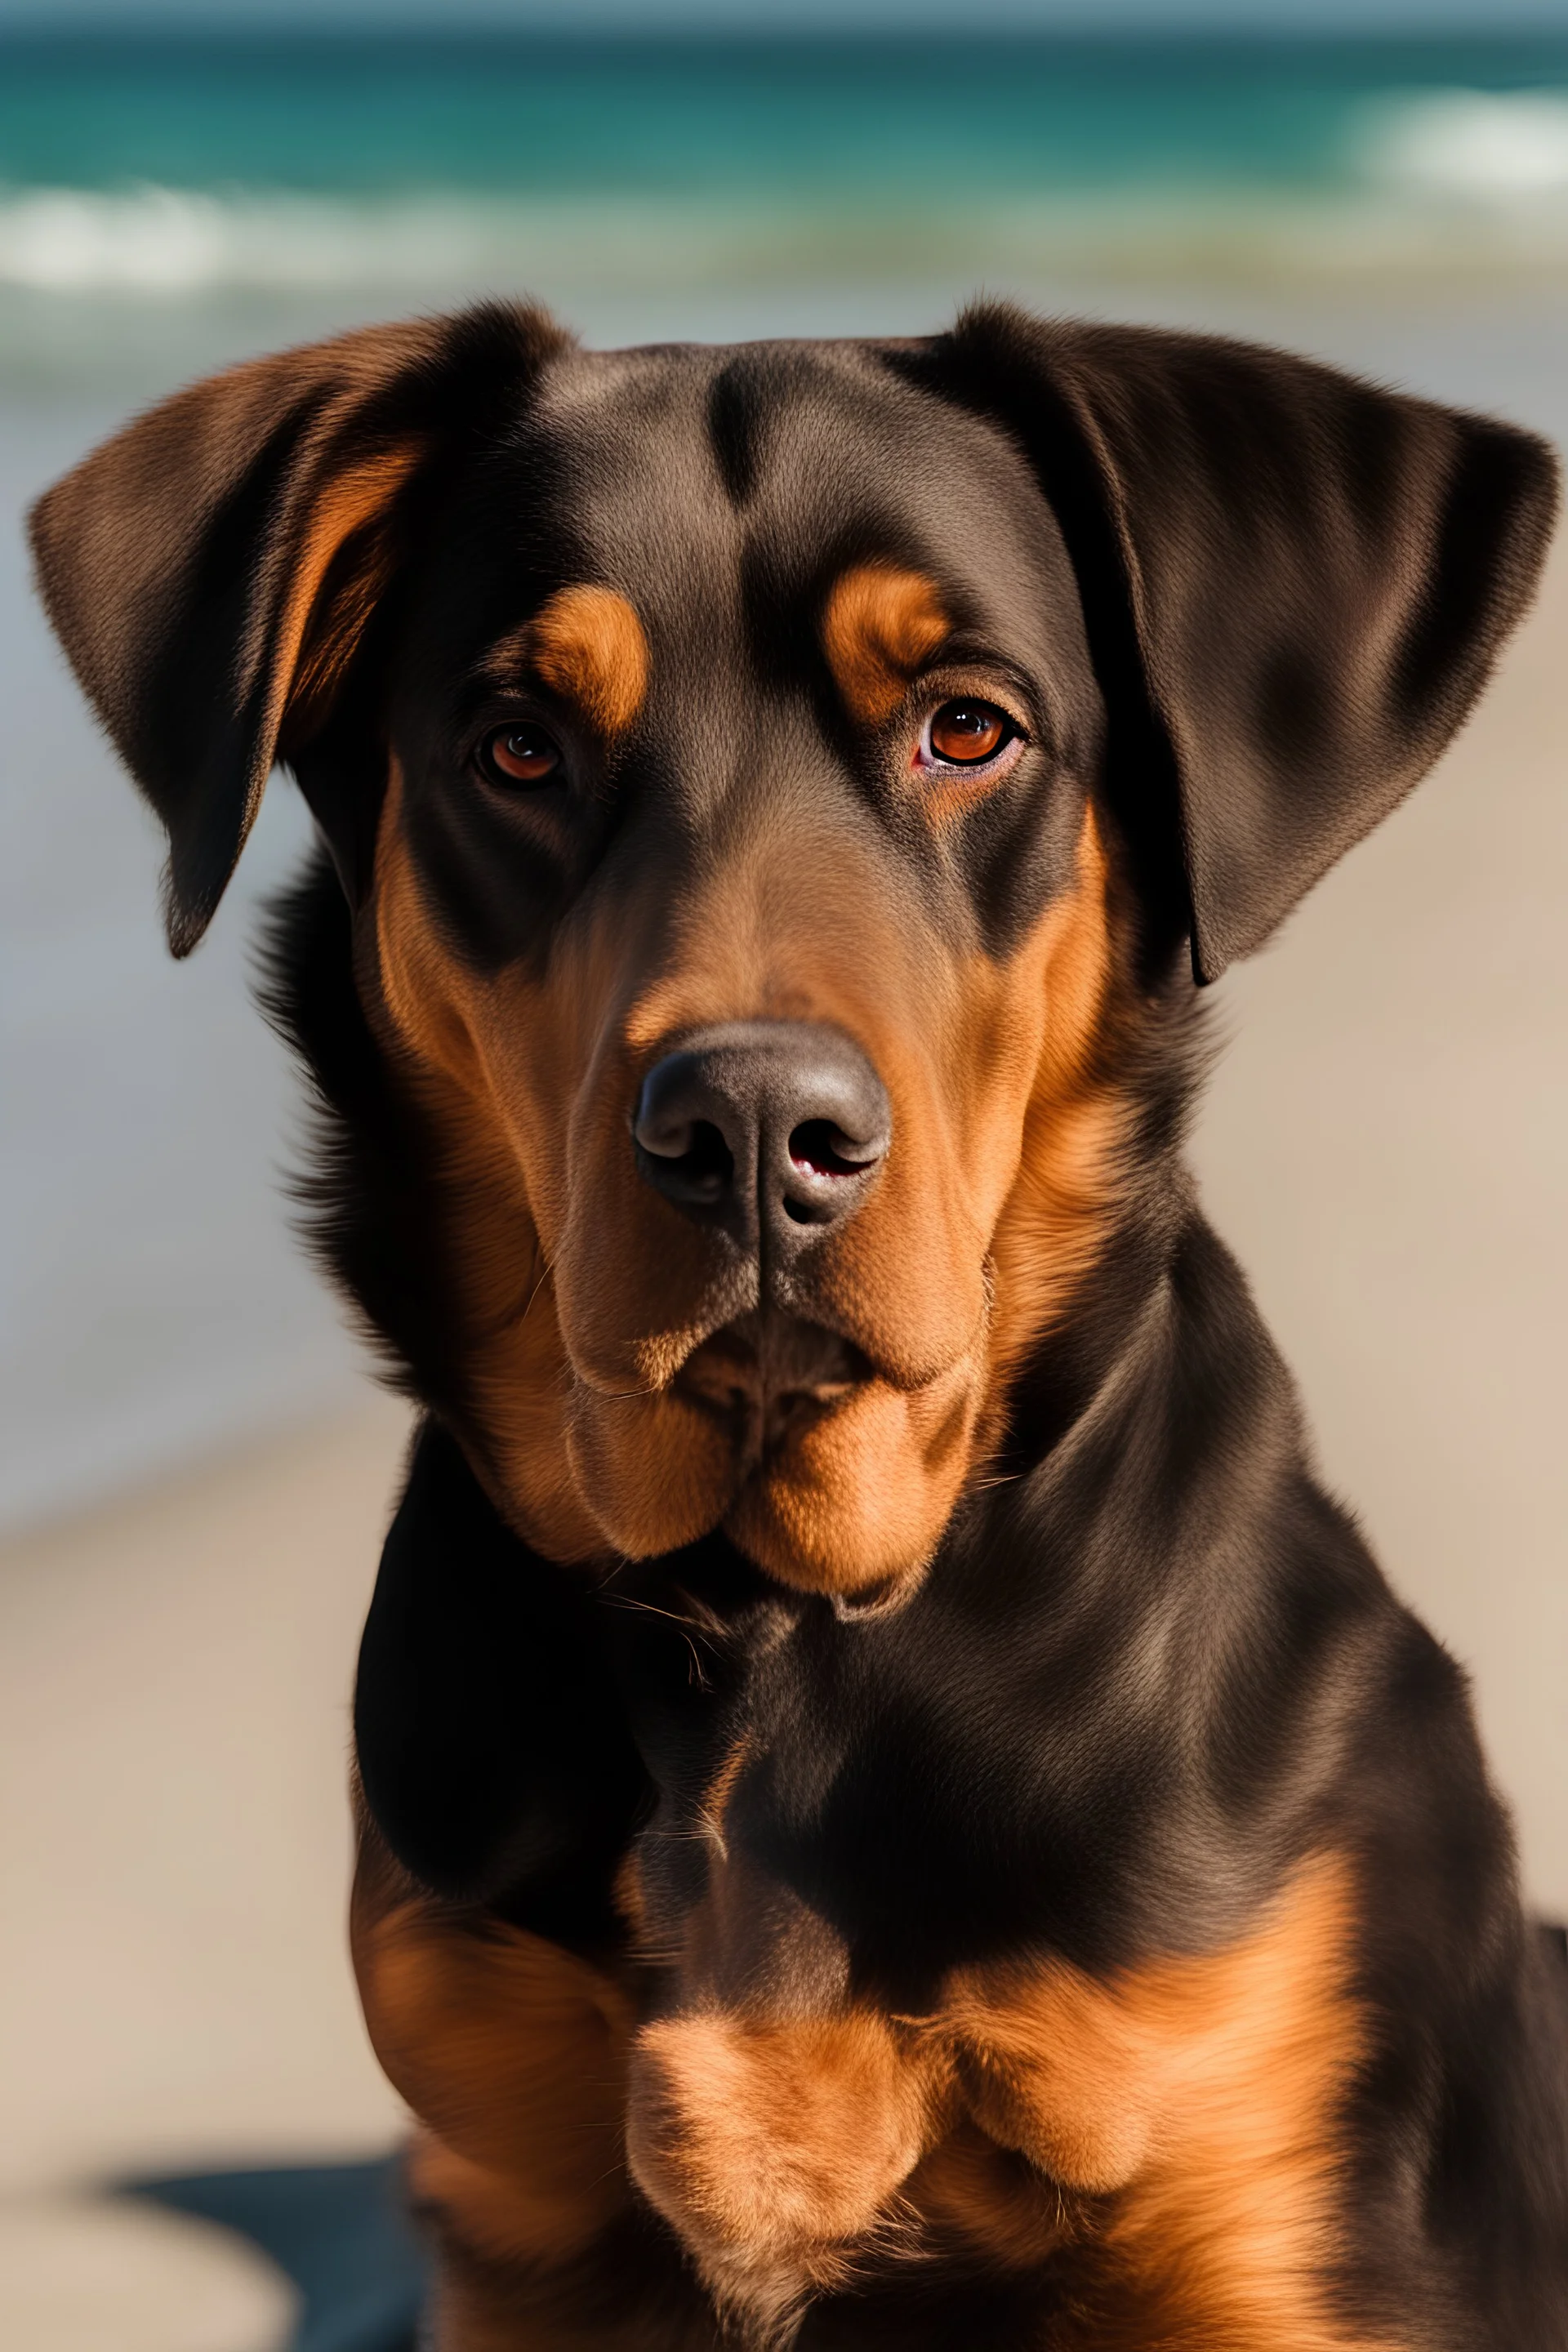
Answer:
(767, 1128)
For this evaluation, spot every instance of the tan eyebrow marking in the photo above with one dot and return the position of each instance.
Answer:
(878, 626)
(588, 644)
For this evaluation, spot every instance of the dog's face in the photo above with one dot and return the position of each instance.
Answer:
(764, 781)
(735, 893)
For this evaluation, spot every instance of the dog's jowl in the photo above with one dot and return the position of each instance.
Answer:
(893, 1810)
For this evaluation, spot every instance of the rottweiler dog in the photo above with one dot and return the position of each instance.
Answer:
(894, 1809)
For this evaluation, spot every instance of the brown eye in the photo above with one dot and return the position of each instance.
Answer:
(520, 755)
(963, 733)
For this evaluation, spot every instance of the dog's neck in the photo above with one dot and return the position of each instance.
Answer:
(1111, 1612)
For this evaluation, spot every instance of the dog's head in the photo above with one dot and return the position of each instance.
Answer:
(771, 786)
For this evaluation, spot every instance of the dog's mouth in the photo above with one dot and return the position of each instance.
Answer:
(767, 1378)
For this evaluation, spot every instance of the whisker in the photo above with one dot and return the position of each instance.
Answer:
(543, 1277)
(652, 1608)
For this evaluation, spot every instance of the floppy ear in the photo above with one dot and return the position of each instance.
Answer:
(1304, 579)
(211, 570)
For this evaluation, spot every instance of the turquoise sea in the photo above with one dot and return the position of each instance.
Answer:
(912, 115)
(167, 205)
(178, 167)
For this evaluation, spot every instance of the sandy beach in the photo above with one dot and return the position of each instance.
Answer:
(174, 1990)
(1385, 1145)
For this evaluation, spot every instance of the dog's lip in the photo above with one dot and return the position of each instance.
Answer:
(652, 1364)
(767, 1375)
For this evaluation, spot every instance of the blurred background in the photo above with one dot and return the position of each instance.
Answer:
(195, 1472)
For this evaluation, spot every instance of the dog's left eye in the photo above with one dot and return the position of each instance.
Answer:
(519, 755)
(964, 734)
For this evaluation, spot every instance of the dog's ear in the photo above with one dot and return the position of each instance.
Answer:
(1304, 579)
(211, 570)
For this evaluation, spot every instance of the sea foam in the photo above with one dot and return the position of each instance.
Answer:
(1499, 149)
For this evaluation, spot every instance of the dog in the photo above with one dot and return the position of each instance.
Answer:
(893, 1810)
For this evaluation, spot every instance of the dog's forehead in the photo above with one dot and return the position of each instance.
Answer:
(676, 467)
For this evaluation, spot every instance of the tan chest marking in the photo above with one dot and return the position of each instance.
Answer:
(773, 2139)
(1177, 2125)
(1205, 2096)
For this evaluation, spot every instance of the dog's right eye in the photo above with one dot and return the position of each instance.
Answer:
(519, 755)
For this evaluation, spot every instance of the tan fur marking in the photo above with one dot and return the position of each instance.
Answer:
(1172, 2133)
(511, 2051)
(588, 644)
(878, 627)
(1205, 2093)
(1059, 1211)
(317, 632)
(516, 1361)
(775, 2147)
(972, 2194)
(860, 1498)
(721, 1788)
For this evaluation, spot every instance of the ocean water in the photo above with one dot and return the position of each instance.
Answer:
(167, 205)
(181, 168)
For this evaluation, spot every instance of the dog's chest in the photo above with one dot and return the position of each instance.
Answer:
(804, 2105)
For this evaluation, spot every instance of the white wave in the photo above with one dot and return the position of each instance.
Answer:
(172, 242)
(1412, 214)
(168, 241)
(1498, 148)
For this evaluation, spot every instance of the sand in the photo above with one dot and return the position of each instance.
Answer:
(174, 1986)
